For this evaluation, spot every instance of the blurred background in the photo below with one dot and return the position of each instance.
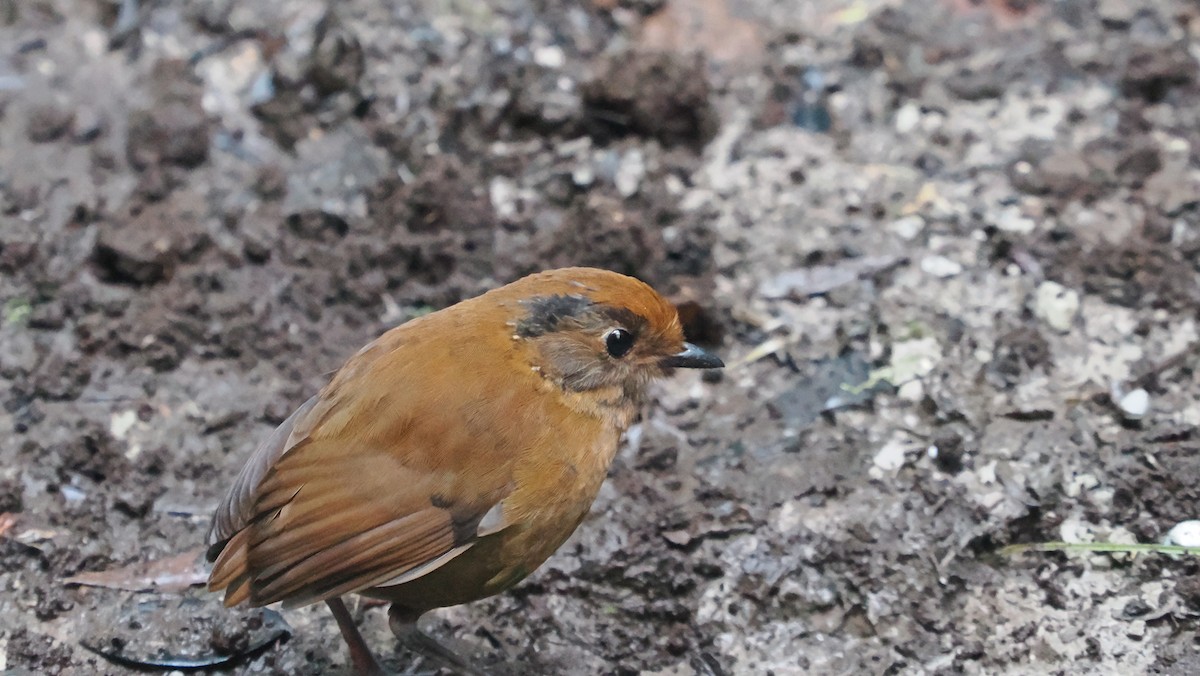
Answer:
(949, 249)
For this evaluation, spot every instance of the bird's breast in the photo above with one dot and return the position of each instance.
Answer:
(553, 493)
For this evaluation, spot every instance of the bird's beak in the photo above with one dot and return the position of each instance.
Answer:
(693, 357)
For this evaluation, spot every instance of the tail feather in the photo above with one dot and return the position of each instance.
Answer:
(231, 570)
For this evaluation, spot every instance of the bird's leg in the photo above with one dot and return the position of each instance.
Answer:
(404, 625)
(361, 658)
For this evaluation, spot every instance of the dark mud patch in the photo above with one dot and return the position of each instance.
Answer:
(205, 209)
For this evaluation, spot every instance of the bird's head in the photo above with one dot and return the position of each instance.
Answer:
(595, 330)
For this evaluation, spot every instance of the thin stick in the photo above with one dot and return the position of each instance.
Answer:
(1103, 547)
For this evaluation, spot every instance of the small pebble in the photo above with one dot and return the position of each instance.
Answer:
(630, 173)
(940, 266)
(907, 118)
(1056, 305)
(122, 423)
(907, 227)
(1135, 404)
(1184, 534)
(1117, 12)
(583, 176)
(891, 457)
(1012, 220)
(549, 57)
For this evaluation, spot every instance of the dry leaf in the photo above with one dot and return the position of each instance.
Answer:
(173, 574)
(767, 347)
(1006, 13)
(707, 26)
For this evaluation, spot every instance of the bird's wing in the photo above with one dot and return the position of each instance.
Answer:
(321, 532)
(368, 483)
(237, 508)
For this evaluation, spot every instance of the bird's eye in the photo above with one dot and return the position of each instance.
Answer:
(618, 342)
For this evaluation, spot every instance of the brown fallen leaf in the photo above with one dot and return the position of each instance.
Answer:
(1006, 13)
(173, 574)
(707, 26)
(7, 521)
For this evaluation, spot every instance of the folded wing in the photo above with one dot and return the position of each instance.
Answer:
(319, 533)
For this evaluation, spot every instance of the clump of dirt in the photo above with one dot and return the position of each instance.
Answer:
(434, 235)
(1018, 352)
(658, 95)
(1145, 269)
(204, 210)
(175, 131)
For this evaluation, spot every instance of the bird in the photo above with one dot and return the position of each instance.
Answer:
(449, 458)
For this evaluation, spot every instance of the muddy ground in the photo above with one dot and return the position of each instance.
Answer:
(931, 238)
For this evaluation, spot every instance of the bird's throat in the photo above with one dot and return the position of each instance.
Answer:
(612, 404)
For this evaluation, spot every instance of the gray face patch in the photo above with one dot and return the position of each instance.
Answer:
(569, 330)
(547, 313)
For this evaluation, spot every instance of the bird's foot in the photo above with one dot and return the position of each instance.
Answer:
(361, 658)
(404, 626)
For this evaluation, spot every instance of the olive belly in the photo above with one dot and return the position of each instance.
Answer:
(491, 565)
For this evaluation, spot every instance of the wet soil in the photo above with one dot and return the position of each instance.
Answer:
(936, 241)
